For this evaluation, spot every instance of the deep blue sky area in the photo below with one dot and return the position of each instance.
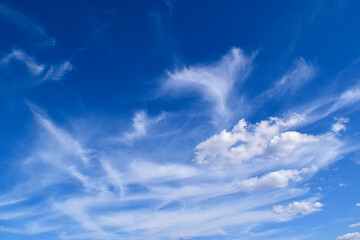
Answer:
(179, 119)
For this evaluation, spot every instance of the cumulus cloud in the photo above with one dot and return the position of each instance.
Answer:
(268, 138)
(286, 142)
(214, 81)
(303, 207)
(350, 236)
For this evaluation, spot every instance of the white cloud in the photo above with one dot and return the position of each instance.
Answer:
(5, 200)
(29, 229)
(303, 207)
(339, 125)
(267, 138)
(66, 144)
(145, 198)
(285, 143)
(140, 125)
(358, 204)
(113, 176)
(57, 72)
(214, 81)
(140, 122)
(37, 69)
(14, 214)
(330, 103)
(350, 236)
(34, 67)
(354, 225)
(299, 75)
(347, 98)
(148, 172)
(278, 179)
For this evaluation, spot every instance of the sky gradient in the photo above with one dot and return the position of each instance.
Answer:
(178, 119)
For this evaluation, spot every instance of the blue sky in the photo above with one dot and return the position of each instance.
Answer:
(179, 119)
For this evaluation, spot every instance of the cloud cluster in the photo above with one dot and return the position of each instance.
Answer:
(141, 198)
(269, 139)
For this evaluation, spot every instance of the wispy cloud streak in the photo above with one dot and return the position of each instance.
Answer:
(141, 122)
(23, 21)
(18, 55)
(214, 82)
(40, 72)
(300, 74)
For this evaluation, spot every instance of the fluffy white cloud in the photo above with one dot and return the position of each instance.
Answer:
(285, 143)
(267, 138)
(299, 207)
(350, 236)
(214, 81)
